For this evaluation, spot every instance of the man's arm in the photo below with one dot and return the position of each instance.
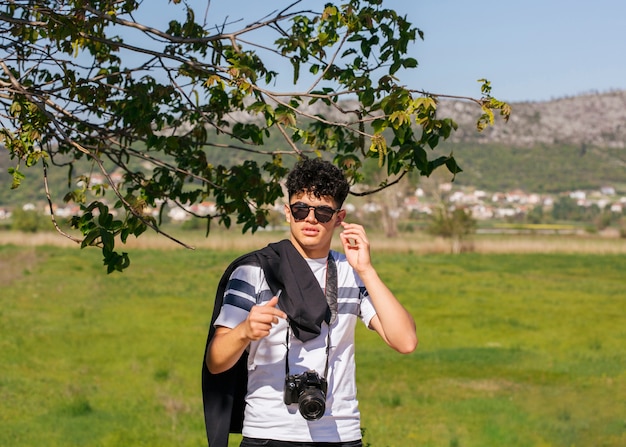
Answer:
(392, 321)
(228, 344)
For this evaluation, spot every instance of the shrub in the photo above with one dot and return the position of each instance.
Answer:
(29, 221)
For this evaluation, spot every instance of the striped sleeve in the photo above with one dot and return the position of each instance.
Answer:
(242, 292)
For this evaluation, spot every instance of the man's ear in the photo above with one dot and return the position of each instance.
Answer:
(341, 215)
(287, 213)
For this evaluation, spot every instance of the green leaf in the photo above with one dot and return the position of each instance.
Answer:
(90, 238)
(379, 125)
(17, 178)
(453, 167)
(434, 164)
(409, 62)
(367, 97)
(395, 67)
(420, 158)
(108, 241)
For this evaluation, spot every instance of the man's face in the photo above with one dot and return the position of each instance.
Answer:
(310, 235)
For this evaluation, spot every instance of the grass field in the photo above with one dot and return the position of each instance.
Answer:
(516, 349)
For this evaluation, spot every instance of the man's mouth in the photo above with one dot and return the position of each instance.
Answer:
(310, 231)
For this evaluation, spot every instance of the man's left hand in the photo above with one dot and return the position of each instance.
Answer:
(356, 246)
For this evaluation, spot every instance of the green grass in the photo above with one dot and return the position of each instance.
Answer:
(515, 350)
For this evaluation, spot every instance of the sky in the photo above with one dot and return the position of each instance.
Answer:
(531, 50)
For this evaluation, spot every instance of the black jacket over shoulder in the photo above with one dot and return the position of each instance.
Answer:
(304, 303)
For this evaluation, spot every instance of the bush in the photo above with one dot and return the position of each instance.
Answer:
(29, 221)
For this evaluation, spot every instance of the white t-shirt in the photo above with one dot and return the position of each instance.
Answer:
(266, 415)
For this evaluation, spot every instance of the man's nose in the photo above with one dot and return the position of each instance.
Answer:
(311, 216)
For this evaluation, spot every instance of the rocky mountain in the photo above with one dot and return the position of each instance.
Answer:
(590, 119)
(597, 119)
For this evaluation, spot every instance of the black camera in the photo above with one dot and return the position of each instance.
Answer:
(308, 390)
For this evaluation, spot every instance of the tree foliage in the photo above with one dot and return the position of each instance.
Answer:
(89, 80)
(455, 224)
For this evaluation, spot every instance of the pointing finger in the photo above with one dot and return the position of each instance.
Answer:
(270, 307)
(273, 302)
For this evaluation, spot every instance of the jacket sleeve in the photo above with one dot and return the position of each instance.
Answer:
(223, 395)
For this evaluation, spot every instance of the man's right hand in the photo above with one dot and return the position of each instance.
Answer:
(261, 319)
(228, 344)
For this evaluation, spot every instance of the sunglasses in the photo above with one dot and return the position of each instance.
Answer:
(323, 213)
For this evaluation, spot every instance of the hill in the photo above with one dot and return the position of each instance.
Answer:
(540, 168)
(590, 120)
(565, 144)
(561, 145)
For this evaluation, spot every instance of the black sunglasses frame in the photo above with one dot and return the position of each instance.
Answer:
(298, 207)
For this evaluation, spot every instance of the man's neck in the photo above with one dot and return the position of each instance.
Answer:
(311, 252)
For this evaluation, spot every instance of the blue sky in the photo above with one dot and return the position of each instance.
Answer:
(532, 50)
(529, 50)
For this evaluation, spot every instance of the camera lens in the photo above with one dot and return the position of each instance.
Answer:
(312, 404)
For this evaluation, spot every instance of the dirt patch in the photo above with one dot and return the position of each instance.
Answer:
(14, 263)
(487, 385)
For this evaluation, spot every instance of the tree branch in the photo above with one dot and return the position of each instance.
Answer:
(374, 191)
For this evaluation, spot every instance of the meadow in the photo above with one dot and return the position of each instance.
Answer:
(517, 349)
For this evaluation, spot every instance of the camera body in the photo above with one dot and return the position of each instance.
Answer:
(308, 390)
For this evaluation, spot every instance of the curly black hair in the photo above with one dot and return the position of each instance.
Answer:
(320, 178)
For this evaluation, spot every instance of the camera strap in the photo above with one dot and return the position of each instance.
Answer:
(287, 353)
(331, 298)
(331, 288)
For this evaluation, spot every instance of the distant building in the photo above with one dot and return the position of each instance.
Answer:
(4, 214)
(607, 190)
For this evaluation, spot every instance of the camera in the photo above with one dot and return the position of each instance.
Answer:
(308, 390)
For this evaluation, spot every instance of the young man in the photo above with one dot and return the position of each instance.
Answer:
(288, 315)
